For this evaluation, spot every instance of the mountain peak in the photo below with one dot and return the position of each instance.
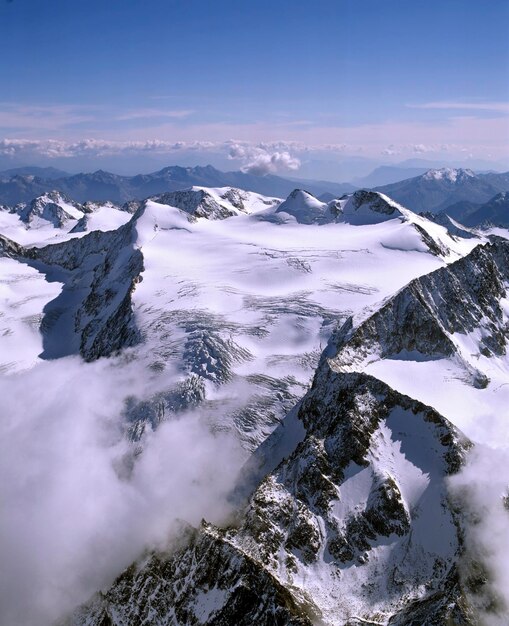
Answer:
(370, 207)
(304, 207)
(448, 174)
(501, 197)
(52, 206)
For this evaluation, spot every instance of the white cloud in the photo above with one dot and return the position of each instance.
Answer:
(481, 490)
(422, 148)
(263, 159)
(391, 150)
(271, 163)
(37, 118)
(77, 505)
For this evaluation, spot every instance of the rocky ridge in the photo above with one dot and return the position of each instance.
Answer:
(426, 317)
(329, 537)
(214, 204)
(99, 272)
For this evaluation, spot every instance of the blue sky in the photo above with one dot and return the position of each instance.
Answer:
(161, 80)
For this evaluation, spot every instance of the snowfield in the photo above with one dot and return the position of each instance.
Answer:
(338, 355)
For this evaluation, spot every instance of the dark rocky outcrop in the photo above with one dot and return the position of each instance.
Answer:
(424, 316)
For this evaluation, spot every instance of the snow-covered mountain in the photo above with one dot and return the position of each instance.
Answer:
(353, 526)
(55, 217)
(437, 189)
(52, 207)
(307, 331)
(240, 287)
(449, 175)
(218, 203)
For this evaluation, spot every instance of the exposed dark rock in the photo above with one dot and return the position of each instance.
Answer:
(425, 315)
(290, 521)
(208, 582)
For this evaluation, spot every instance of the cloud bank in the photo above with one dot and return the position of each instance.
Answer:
(77, 505)
(480, 492)
(257, 159)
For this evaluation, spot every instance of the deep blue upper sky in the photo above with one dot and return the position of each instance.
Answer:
(377, 77)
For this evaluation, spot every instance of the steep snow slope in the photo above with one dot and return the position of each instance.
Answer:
(454, 228)
(369, 207)
(24, 292)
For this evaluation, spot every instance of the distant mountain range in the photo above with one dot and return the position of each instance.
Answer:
(387, 174)
(495, 212)
(27, 183)
(438, 189)
(433, 191)
(42, 172)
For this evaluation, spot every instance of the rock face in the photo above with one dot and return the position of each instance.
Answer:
(93, 315)
(209, 582)
(214, 204)
(197, 203)
(50, 207)
(104, 269)
(370, 207)
(353, 527)
(454, 228)
(427, 316)
(9, 248)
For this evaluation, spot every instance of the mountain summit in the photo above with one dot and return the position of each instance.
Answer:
(439, 188)
(449, 174)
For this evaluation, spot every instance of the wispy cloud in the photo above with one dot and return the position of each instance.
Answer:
(59, 548)
(136, 114)
(44, 117)
(37, 118)
(502, 107)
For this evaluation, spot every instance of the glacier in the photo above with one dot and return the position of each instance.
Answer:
(236, 409)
